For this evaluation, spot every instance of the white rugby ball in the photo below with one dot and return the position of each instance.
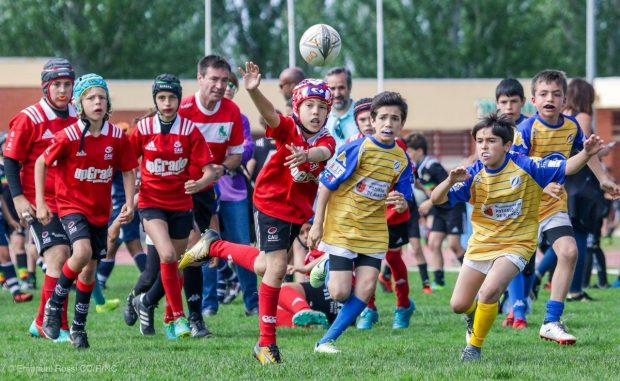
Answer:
(320, 45)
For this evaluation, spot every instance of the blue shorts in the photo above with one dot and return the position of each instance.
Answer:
(3, 239)
(130, 231)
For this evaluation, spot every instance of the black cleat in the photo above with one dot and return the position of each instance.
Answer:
(130, 314)
(198, 327)
(79, 339)
(145, 314)
(51, 320)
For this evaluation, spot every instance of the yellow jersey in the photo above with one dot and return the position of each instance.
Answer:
(360, 179)
(505, 204)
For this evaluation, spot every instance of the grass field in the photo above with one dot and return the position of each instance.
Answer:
(429, 349)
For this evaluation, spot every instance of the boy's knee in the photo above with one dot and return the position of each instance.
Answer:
(339, 294)
(489, 295)
(458, 306)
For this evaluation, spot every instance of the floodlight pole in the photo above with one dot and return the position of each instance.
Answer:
(379, 46)
(290, 6)
(207, 27)
(590, 41)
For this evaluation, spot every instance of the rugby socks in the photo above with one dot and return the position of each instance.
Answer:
(67, 277)
(267, 310)
(371, 303)
(423, 269)
(516, 296)
(168, 316)
(82, 301)
(292, 301)
(242, 255)
(22, 265)
(150, 274)
(483, 321)
(399, 277)
(439, 277)
(284, 318)
(347, 315)
(193, 288)
(11, 278)
(555, 310)
(104, 269)
(47, 290)
(140, 260)
(171, 282)
(97, 294)
(155, 293)
(471, 308)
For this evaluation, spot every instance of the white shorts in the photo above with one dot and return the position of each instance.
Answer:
(345, 253)
(553, 221)
(485, 266)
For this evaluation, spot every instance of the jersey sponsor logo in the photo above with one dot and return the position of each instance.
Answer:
(336, 168)
(178, 147)
(515, 181)
(150, 146)
(396, 166)
(372, 189)
(570, 138)
(94, 175)
(268, 319)
(108, 153)
(300, 176)
(503, 210)
(47, 134)
(166, 167)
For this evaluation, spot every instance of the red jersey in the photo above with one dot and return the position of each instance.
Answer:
(393, 217)
(288, 193)
(311, 256)
(30, 133)
(166, 159)
(85, 177)
(221, 128)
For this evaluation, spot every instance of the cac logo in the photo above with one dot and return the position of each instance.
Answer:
(45, 234)
(272, 230)
(108, 153)
(178, 147)
(108, 149)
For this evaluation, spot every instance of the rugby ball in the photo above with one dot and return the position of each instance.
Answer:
(320, 45)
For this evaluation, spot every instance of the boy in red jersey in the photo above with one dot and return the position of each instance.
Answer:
(31, 132)
(285, 191)
(85, 155)
(218, 119)
(169, 145)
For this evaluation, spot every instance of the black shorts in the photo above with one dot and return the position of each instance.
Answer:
(319, 300)
(413, 225)
(553, 234)
(449, 221)
(205, 206)
(274, 234)
(50, 235)
(398, 235)
(180, 223)
(77, 227)
(530, 266)
(338, 263)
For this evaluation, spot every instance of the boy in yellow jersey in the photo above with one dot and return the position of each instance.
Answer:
(505, 190)
(350, 219)
(549, 134)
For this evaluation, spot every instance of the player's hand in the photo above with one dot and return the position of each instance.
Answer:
(593, 145)
(459, 174)
(425, 207)
(44, 214)
(397, 200)
(15, 225)
(126, 214)
(554, 190)
(213, 262)
(193, 186)
(610, 187)
(314, 235)
(24, 209)
(251, 76)
(297, 157)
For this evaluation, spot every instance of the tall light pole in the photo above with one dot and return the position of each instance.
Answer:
(379, 46)
(290, 7)
(207, 27)
(590, 41)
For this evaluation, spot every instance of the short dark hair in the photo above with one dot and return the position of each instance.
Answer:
(509, 87)
(212, 60)
(340, 70)
(500, 124)
(417, 141)
(550, 75)
(388, 98)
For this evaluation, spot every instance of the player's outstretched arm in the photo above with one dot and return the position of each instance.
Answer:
(590, 148)
(251, 79)
(440, 193)
(607, 184)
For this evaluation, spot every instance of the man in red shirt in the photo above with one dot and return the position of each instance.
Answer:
(219, 121)
(30, 133)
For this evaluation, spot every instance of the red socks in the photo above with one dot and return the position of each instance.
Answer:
(399, 277)
(292, 301)
(267, 309)
(243, 255)
(284, 318)
(170, 280)
(46, 292)
(371, 303)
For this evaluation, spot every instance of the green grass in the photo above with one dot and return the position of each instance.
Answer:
(429, 349)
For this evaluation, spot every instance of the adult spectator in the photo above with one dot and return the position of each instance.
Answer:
(290, 77)
(341, 121)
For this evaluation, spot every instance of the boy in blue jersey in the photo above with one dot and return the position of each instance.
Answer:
(350, 220)
(549, 134)
(505, 190)
(509, 100)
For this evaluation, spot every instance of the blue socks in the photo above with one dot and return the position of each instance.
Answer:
(347, 315)
(554, 311)
(140, 260)
(516, 296)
